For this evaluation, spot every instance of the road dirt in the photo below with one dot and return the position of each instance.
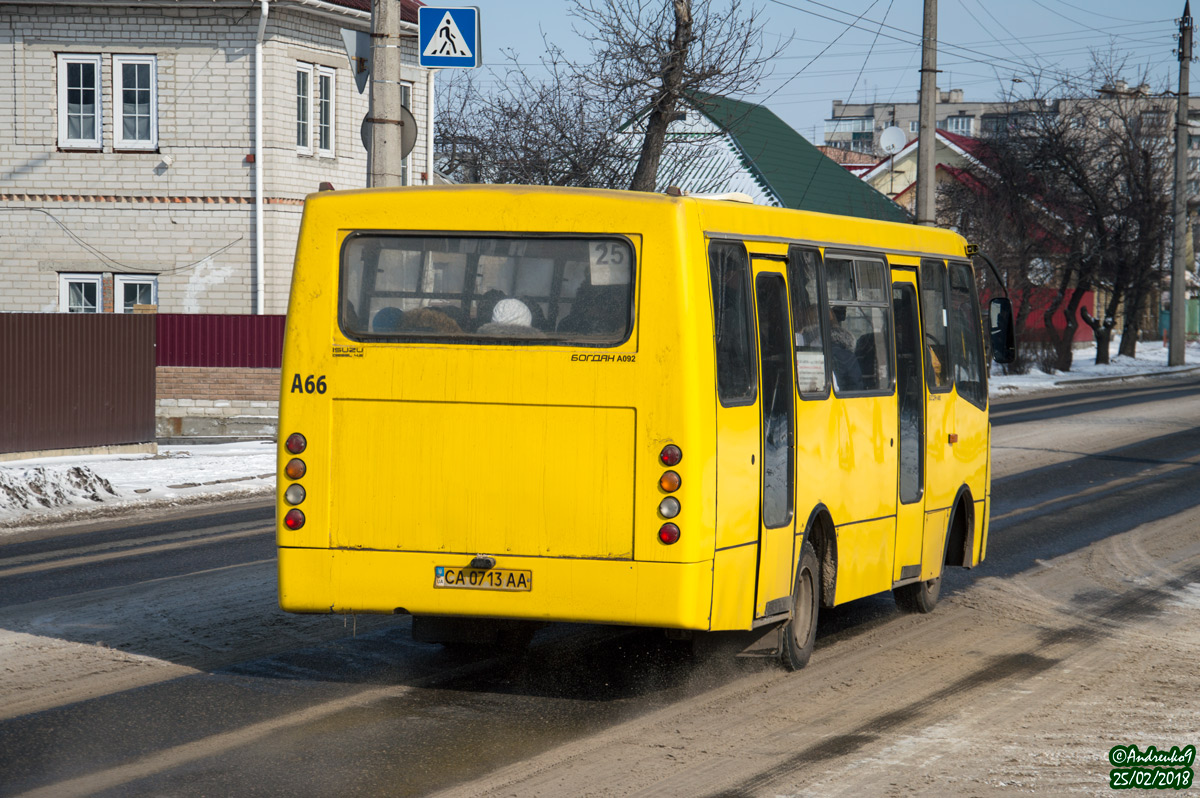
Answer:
(1015, 685)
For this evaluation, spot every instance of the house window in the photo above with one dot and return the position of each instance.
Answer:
(79, 293)
(304, 108)
(135, 102)
(961, 125)
(325, 117)
(133, 290)
(914, 126)
(79, 125)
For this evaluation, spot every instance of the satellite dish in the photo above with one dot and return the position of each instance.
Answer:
(892, 140)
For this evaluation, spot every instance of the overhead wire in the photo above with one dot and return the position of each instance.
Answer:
(108, 259)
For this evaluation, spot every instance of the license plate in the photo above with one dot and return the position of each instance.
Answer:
(479, 579)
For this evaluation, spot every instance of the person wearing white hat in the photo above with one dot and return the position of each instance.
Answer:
(510, 317)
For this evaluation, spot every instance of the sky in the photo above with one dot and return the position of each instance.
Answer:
(869, 50)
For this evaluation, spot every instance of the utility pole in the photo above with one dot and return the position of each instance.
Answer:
(1179, 266)
(384, 122)
(926, 190)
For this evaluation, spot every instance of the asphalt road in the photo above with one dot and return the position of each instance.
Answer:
(150, 660)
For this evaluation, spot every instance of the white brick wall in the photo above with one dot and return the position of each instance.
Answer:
(203, 252)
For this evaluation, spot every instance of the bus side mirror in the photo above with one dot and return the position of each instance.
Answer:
(1004, 342)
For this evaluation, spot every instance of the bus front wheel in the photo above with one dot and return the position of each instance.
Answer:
(800, 633)
(919, 596)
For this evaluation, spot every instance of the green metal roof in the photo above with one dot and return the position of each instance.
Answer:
(792, 168)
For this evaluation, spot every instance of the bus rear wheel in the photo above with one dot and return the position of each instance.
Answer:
(919, 597)
(800, 633)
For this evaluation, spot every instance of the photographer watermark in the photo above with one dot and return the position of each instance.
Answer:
(1151, 769)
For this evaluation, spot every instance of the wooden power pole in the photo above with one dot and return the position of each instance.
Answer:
(384, 121)
(1179, 266)
(926, 143)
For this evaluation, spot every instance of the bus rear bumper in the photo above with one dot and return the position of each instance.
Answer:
(669, 595)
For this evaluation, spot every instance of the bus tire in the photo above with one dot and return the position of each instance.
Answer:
(919, 597)
(800, 633)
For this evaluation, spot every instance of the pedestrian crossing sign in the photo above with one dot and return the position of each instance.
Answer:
(448, 37)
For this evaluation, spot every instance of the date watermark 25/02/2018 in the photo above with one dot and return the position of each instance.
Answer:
(1151, 769)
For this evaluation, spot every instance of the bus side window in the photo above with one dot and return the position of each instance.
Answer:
(805, 280)
(966, 336)
(860, 341)
(733, 323)
(933, 321)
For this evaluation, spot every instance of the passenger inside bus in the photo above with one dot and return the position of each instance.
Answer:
(510, 317)
(596, 309)
(387, 320)
(429, 320)
(847, 373)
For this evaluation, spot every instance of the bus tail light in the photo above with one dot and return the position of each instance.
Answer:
(668, 508)
(294, 519)
(296, 443)
(295, 469)
(295, 494)
(667, 533)
(670, 482)
(670, 455)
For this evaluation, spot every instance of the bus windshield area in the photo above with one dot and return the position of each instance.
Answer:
(487, 290)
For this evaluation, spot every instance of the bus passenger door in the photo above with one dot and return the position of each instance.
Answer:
(910, 433)
(737, 434)
(776, 523)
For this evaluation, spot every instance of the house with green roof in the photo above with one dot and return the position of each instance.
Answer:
(725, 145)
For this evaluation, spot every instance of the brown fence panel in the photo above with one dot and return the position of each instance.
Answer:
(70, 380)
(220, 341)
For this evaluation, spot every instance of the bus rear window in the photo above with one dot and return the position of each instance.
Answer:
(487, 290)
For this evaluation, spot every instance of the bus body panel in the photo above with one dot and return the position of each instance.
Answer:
(490, 478)
(670, 595)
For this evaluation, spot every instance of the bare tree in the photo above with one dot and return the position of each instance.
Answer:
(654, 54)
(1095, 158)
(531, 130)
(604, 122)
(996, 207)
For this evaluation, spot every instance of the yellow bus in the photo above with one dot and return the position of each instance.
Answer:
(528, 405)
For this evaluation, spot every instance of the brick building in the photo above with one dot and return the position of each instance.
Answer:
(128, 159)
(132, 171)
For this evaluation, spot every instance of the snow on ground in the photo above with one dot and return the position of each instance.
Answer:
(1151, 359)
(51, 489)
(64, 488)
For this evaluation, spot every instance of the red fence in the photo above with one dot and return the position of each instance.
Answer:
(75, 379)
(220, 341)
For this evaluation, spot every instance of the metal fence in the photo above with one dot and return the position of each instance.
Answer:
(70, 380)
(219, 341)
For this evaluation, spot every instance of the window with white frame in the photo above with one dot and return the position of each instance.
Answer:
(79, 114)
(79, 293)
(135, 102)
(914, 126)
(304, 108)
(960, 124)
(134, 289)
(325, 111)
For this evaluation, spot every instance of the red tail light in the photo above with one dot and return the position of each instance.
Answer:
(668, 533)
(296, 443)
(294, 519)
(670, 455)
